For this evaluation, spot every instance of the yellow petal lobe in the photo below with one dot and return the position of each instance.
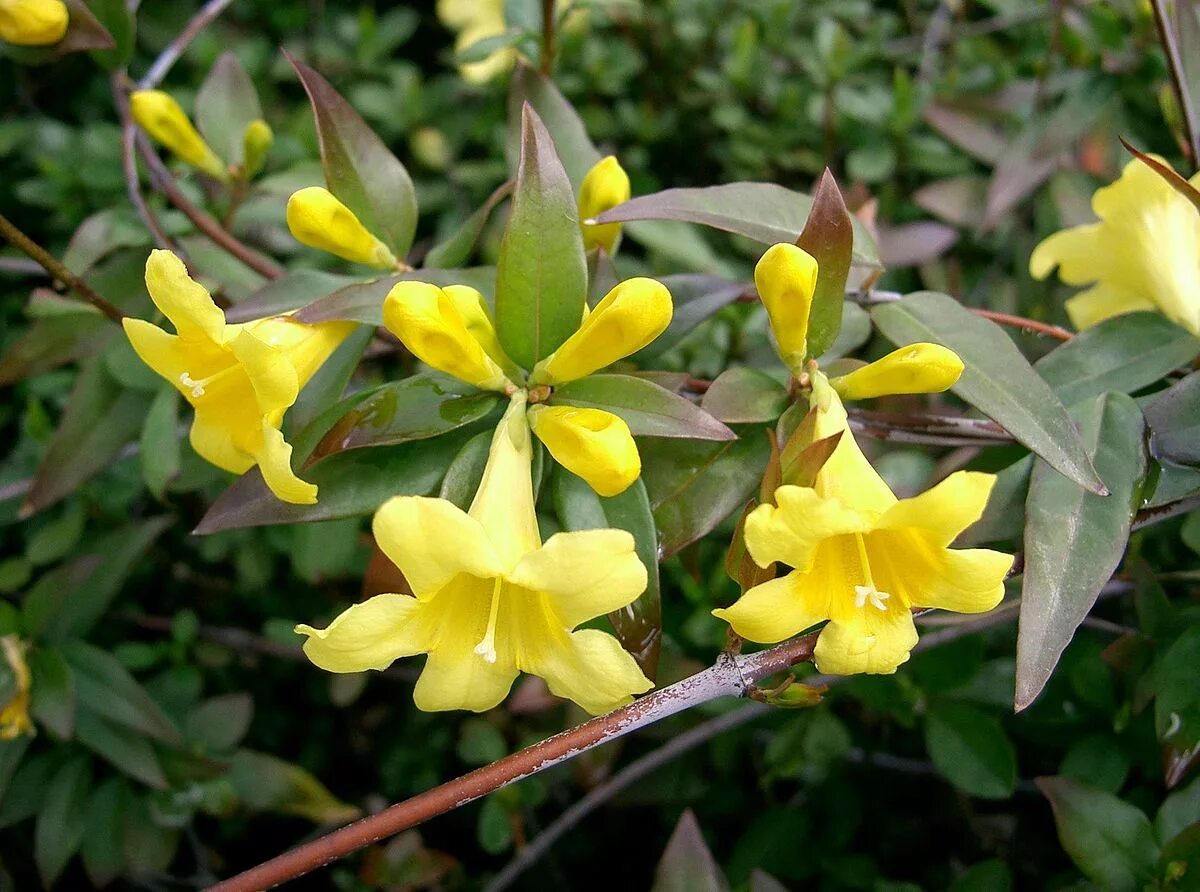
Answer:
(917, 368)
(604, 187)
(316, 218)
(159, 115)
(590, 443)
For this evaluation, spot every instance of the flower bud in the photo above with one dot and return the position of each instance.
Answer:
(604, 187)
(256, 143)
(428, 322)
(14, 715)
(590, 443)
(317, 219)
(632, 315)
(917, 368)
(159, 115)
(33, 22)
(786, 278)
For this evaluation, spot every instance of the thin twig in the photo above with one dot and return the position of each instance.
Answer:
(871, 297)
(548, 23)
(173, 50)
(1166, 35)
(928, 428)
(133, 185)
(43, 258)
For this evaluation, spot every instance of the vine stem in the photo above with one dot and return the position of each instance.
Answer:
(868, 298)
(133, 185)
(730, 676)
(547, 61)
(47, 261)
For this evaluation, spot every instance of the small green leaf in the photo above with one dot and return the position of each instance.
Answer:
(466, 471)
(219, 723)
(649, 410)
(1174, 420)
(829, 237)
(107, 688)
(1099, 760)
(1074, 539)
(495, 827)
(265, 783)
(52, 342)
(103, 860)
(1109, 840)
(1177, 697)
(147, 846)
(457, 247)
(294, 289)
(62, 819)
(226, 103)
(970, 749)
(541, 275)
(124, 749)
(90, 23)
(480, 742)
(687, 864)
(997, 380)
(1121, 354)
(52, 692)
(160, 450)
(26, 790)
(359, 169)
(743, 395)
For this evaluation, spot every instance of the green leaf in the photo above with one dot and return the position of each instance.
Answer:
(639, 624)
(480, 742)
(649, 410)
(114, 19)
(52, 594)
(27, 789)
(101, 416)
(160, 450)
(1179, 811)
(363, 302)
(55, 540)
(1122, 354)
(148, 847)
(294, 289)
(970, 749)
(829, 237)
(84, 32)
(986, 876)
(457, 247)
(11, 754)
(997, 380)
(855, 330)
(226, 103)
(1074, 539)
(743, 395)
(466, 471)
(124, 749)
(1109, 840)
(1004, 516)
(695, 298)
(694, 485)
(265, 783)
(103, 860)
(219, 723)
(359, 169)
(541, 275)
(54, 341)
(687, 864)
(62, 819)
(1174, 420)
(52, 692)
(107, 688)
(494, 829)
(1177, 697)
(764, 212)
(1098, 759)
(575, 147)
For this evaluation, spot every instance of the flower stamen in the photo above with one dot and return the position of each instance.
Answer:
(868, 592)
(198, 387)
(486, 648)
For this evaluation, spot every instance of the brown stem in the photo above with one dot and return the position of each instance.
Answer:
(870, 297)
(43, 258)
(133, 185)
(202, 221)
(548, 48)
(728, 677)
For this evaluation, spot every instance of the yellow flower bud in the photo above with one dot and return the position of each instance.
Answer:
(317, 219)
(917, 368)
(256, 143)
(632, 315)
(33, 22)
(14, 715)
(428, 322)
(786, 278)
(605, 186)
(160, 116)
(590, 443)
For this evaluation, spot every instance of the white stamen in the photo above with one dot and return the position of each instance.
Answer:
(486, 648)
(865, 593)
(197, 386)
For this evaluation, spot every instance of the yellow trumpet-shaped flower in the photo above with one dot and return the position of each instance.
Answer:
(1143, 254)
(604, 187)
(863, 559)
(14, 715)
(448, 329)
(917, 368)
(786, 277)
(239, 378)
(160, 115)
(590, 443)
(316, 218)
(491, 600)
(33, 22)
(629, 317)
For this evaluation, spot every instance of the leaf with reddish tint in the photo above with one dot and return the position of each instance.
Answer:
(649, 410)
(541, 274)
(829, 237)
(743, 395)
(359, 168)
(226, 104)
(575, 147)
(913, 244)
(687, 864)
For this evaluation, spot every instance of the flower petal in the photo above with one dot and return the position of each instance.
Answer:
(583, 574)
(370, 635)
(183, 300)
(1103, 301)
(275, 462)
(592, 669)
(868, 640)
(271, 374)
(318, 219)
(966, 580)
(591, 443)
(944, 510)
(786, 278)
(791, 530)
(462, 681)
(431, 541)
(213, 443)
(159, 115)
(778, 609)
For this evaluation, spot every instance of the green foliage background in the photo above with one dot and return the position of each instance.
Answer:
(919, 780)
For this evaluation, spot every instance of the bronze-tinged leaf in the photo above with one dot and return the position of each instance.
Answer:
(1175, 180)
(828, 236)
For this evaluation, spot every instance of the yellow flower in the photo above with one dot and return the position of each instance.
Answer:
(317, 219)
(491, 600)
(1144, 254)
(451, 329)
(591, 443)
(14, 715)
(863, 560)
(33, 22)
(239, 378)
(786, 277)
(160, 116)
(917, 368)
(604, 187)
(477, 20)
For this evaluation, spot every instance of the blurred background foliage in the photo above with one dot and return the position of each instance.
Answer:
(166, 663)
